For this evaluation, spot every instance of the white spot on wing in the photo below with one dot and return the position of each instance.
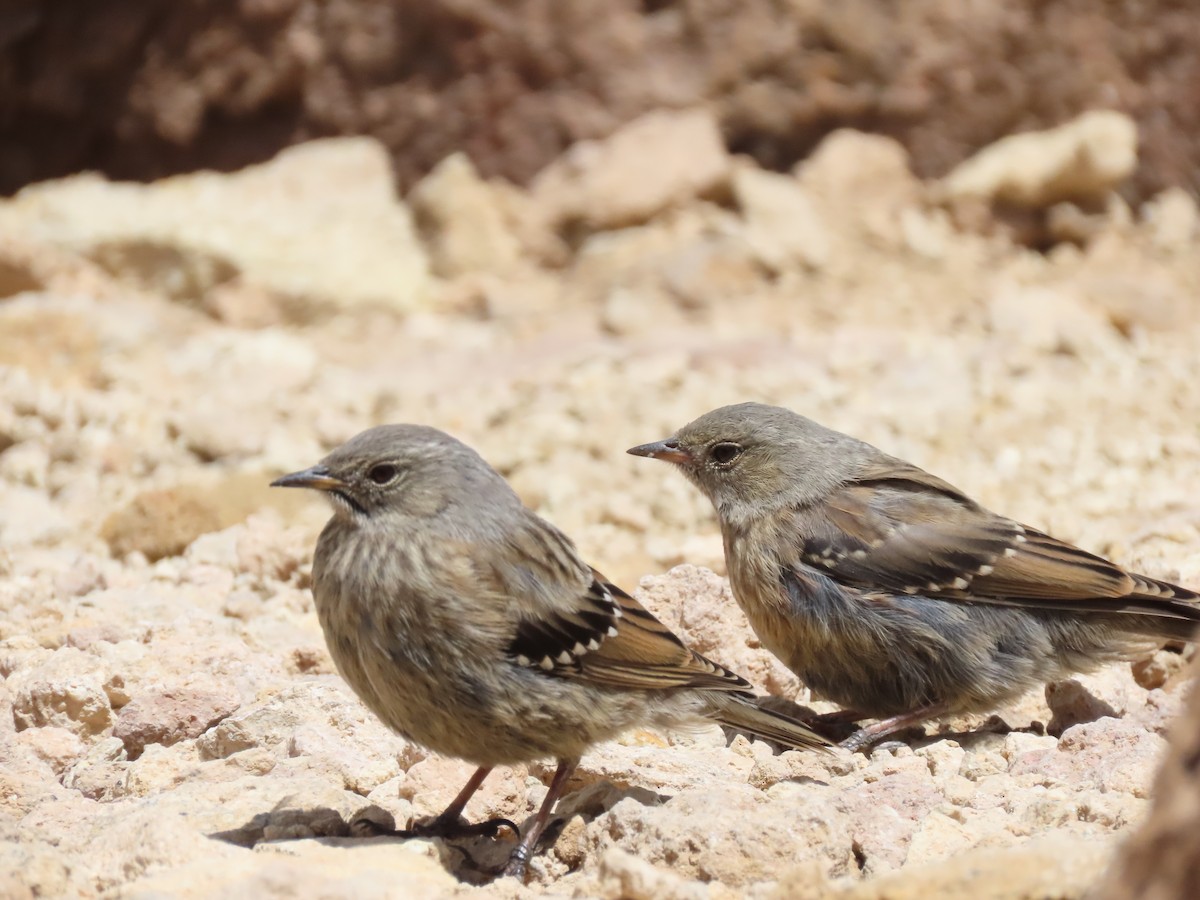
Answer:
(523, 660)
(547, 663)
(959, 584)
(612, 631)
(593, 644)
(579, 649)
(564, 658)
(986, 570)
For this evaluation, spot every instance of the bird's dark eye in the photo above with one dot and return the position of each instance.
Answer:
(725, 452)
(382, 473)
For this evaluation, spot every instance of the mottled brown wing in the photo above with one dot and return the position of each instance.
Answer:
(646, 654)
(901, 529)
(607, 637)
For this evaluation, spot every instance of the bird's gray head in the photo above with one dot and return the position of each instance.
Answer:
(407, 470)
(751, 458)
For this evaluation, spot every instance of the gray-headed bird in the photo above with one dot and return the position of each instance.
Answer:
(890, 591)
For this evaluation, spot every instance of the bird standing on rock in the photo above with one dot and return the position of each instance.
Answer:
(471, 626)
(893, 593)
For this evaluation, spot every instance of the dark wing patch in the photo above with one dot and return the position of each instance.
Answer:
(557, 642)
(646, 654)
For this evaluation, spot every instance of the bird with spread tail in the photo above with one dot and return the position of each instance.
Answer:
(889, 590)
(471, 626)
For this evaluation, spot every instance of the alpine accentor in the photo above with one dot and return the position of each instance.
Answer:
(890, 591)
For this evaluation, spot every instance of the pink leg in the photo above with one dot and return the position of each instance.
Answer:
(520, 856)
(872, 734)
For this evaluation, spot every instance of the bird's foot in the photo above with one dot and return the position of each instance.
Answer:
(865, 738)
(517, 865)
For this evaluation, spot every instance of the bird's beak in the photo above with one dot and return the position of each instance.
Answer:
(668, 451)
(318, 478)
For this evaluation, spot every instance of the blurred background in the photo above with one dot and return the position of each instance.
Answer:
(234, 234)
(560, 233)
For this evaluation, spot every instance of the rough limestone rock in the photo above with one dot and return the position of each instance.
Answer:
(171, 724)
(320, 226)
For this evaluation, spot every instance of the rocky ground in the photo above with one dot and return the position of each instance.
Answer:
(171, 723)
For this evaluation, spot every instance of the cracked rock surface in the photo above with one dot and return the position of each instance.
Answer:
(170, 722)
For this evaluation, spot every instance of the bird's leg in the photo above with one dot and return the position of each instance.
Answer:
(872, 734)
(524, 850)
(446, 825)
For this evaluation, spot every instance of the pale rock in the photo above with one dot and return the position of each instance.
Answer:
(387, 797)
(316, 724)
(938, 836)
(927, 233)
(698, 605)
(269, 552)
(1071, 703)
(30, 870)
(660, 160)
(624, 876)
(320, 225)
(1105, 755)
(361, 769)
(1045, 320)
(783, 227)
(160, 768)
(13, 657)
(1173, 219)
(174, 712)
(69, 689)
(709, 271)
(944, 758)
(861, 185)
(57, 747)
(462, 220)
(382, 869)
(432, 781)
(328, 813)
(101, 774)
(27, 463)
(28, 516)
(1156, 670)
(722, 832)
(162, 842)
(628, 311)
(1085, 158)
(650, 760)
(1060, 867)
(886, 811)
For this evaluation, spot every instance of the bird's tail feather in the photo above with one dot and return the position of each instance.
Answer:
(752, 715)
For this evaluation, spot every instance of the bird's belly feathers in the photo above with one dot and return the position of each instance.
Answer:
(884, 655)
